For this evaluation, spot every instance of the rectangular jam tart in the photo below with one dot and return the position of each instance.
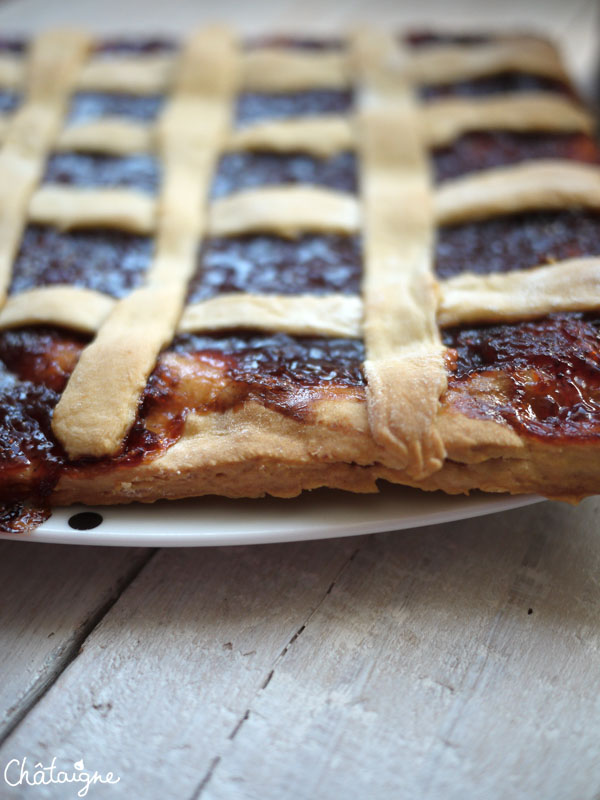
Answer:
(257, 267)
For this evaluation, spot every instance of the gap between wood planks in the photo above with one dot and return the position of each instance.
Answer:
(75, 645)
(237, 727)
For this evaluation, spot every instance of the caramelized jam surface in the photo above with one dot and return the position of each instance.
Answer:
(315, 264)
(89, 106)
(425, 38)
(258, 106)
(496, 84)
(302, 360)
(542, 377)
(517, 241)
(294, 42)
(245, 170)
(12, 45)
(139, 171)
(198, 373)
(34, 367)
(9, 100)
(484, 150)
(108, 261)
(135, 46)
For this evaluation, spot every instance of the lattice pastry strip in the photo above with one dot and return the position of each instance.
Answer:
(442, 120)
(407, 428)
(288, 210)
(291, 70)
(91, 418)
(276, 69)
(54, 63)
(404, 368)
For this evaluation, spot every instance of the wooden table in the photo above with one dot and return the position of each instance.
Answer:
(460, 661)
(457, 661)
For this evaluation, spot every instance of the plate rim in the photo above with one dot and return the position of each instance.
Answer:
(134, 525)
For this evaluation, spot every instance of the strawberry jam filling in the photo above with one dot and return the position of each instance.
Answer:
(199, 374)
(313, 263)
(487, 149)
(113, 262)
(502, 83)
(238, 171)
(542, 377)
(90, 106)
(89, 170)
(516, 241)
(259, 106)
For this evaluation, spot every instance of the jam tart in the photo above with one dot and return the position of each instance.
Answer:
(247, 268)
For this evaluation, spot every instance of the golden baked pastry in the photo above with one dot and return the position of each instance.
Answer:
(256, 268)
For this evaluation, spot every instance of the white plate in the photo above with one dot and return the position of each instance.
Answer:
(321, 514)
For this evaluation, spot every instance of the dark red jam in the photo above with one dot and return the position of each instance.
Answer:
(284, 373)
(35, 364)
(315, 264)
(426, 38)
(156, 45)
(10, 44)
(294, 42)
(22, 517)
(258, 106)
(9, 100)
(139, 171)
(542, 377)
(110, 261)
(246, 170)
(484, 150)
(496, 84)
(517, 241)
(34, 367)
(88, 106)
(197, 374)
(254, 357)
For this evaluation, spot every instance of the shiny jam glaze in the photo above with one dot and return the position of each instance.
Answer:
(88, 170)
(204, 374)
(134, 46)
(484, 150)
(542, 377)
(313, 263)
(88, 106)
(198, 373)
(9, 100)
(496, 84)
(108, 261)
(257, 106)
(10, 44)
(425, 38)
(517, 241)
(34, 366)
(253, 357)
(246, 170)
(294, 42)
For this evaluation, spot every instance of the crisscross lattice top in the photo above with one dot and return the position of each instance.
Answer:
(288, 142)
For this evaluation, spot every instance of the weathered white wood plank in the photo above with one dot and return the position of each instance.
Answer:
(423, 674)
(50, 597)
(168, 675)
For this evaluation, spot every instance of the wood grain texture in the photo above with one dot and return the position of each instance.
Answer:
(166, 678)
(51, 598)
(454, 662)
(433, 677)
(399, 665)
